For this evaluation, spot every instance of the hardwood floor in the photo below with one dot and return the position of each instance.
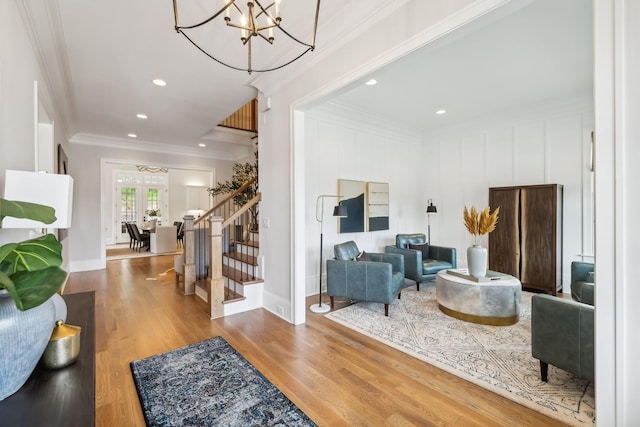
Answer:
(336, 376)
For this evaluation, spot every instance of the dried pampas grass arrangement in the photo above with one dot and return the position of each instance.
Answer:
(480, 223)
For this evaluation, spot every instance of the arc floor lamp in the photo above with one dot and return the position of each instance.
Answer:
(339, 211)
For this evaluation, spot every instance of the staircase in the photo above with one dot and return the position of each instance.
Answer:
(221, 259)
(243, 290)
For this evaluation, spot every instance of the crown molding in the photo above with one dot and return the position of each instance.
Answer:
(340, 26)
(152, 147)
(43, 25)
(268, 84)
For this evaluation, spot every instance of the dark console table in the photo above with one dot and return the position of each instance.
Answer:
(64, 397)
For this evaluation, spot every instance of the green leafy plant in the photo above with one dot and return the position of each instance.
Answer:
(30, 270)
(242, 173)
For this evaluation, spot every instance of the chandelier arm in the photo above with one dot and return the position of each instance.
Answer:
(231, 24)
(178, 27)
(310, 48)
(263, 37)
(249, 70)
(315, 23)
(265, 11)
(276, 23)
(209, 55)
(295, 39)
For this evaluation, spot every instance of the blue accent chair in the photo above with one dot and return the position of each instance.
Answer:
(422, 265)
(378, 279)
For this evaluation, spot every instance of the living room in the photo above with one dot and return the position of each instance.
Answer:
(287, 269)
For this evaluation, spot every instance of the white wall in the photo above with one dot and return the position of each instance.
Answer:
(547, 147)
(19, 69)
(455, 167)
(405, 25)
(617, 155)
(179, 181)
(87, 242)
(345, 145)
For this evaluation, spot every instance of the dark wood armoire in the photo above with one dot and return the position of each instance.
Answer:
(527, 241)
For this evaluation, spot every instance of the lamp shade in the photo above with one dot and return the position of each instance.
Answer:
(46, 189)
(431, 209)
(340, 211)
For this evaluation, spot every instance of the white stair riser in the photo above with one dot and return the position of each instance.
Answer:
(246, 249)
(253, 300)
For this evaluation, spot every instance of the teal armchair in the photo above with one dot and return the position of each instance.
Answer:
(374, 277)
(562, 335)
(582, 282)
(422, 264)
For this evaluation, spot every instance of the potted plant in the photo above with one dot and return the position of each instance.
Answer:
(479, 223)
(153, 213)
(30, 275)
(242, 173)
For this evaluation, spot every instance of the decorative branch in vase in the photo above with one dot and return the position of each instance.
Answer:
(479, 223)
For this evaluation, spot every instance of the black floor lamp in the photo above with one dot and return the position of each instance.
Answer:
(431, 210)
(340, 211)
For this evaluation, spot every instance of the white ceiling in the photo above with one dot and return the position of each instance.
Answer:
(539, 54)
(110, 51)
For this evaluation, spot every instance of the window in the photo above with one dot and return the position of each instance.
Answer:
(127, 206)
(153, 200)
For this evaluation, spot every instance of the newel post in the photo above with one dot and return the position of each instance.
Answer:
(189, 251)
(215, 289)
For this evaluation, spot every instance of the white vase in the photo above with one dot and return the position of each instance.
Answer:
(477, 261)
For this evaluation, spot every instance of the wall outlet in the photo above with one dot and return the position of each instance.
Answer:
(266, 222)
(280, 310)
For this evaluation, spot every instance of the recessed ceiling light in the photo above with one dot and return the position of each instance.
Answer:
(159, 82)
(132, 135)
(371, 82)
(141, 116)
(202, 145)
(440, 112)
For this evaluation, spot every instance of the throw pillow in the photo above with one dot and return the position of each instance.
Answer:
(362, 256)
(591, 278)
(424, 248)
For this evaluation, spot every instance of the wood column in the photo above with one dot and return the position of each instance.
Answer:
(188, 257)
(215, 284)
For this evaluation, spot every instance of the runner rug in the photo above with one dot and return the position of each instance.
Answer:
(497, 358)
(210, 384)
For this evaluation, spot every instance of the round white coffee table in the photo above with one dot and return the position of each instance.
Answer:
(494, 302)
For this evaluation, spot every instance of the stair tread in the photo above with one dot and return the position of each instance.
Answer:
(248, 259)
(238, 276)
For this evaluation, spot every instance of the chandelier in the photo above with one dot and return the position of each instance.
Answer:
(251, 21)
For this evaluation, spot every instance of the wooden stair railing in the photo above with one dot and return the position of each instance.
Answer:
(205, 246)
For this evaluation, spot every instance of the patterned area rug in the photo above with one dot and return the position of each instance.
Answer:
(497, 358)
(207, 384)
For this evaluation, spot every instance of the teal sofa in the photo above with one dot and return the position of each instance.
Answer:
(373, 277)
(582, 282)
(422, 264)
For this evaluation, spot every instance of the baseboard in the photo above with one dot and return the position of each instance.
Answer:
(87, 265)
